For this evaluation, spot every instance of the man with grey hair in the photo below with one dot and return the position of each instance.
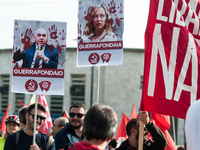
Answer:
(22, 118)
(59, 124)
(37, 54)
(99, 127)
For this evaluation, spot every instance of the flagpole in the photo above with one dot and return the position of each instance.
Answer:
(141, 136)
(98, 83)
(92, 77)
(174, 130)
(35, 120)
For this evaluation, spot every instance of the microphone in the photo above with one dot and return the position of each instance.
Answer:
(39, 47)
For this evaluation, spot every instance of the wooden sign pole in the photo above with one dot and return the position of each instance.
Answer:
(141, 136)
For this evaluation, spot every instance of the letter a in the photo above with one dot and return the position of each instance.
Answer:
(191, 53)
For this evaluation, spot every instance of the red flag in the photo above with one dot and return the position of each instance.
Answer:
(170, 142)
(47, 124)
(162, 121)
(64, 114)
(21, 103)
(133, 113)
(3, 126)
(121, 135)
(172, 54)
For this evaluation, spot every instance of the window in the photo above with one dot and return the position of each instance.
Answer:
(20, 97)
(4, 89)
(56, 104)
(77, 89)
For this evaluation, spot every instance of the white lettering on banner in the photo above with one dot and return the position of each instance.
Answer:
(37, 72)
(191, 16)
(190, 54)
(160, 10)
(194, 21)
(101, 45)
(168, 74)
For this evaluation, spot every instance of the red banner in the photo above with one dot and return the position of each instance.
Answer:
(171, 57)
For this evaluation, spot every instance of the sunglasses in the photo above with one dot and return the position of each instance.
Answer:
(78, 115)
(41, 118)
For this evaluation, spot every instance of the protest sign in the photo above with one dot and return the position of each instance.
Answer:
(39, 54)
(100, 30)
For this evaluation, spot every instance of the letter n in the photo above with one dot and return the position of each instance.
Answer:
(168, 71)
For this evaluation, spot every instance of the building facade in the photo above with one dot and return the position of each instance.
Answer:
(119, 86)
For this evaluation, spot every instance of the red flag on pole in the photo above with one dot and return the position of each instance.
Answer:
(170, 142)
(21, 103)
(121, 135)
(163, 122)
(47, 124)
(3, 126)
(133, 113)
(172, 54)
(64, 114)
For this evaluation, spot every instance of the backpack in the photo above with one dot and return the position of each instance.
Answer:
(48, 144)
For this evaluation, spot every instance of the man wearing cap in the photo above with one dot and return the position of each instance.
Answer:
(12, 126)
(72, 133)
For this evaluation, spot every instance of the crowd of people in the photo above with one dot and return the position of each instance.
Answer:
(84, 130)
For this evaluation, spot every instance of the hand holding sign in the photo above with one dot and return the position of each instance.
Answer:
(144, 117)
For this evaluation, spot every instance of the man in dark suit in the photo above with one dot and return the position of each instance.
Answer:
(37, 54)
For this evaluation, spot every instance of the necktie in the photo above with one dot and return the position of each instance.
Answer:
(37, 60)
(36, 65)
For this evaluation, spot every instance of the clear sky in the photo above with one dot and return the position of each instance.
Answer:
(135, 18)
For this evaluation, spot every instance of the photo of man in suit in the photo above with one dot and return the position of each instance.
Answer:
(37, 54)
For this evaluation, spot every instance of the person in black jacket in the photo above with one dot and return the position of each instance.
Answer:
(72, 133)
(132, 129)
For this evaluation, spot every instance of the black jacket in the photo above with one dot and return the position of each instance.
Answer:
(65, 136)
(159, 142)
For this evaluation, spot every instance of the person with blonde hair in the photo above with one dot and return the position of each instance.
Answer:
(99, 27)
